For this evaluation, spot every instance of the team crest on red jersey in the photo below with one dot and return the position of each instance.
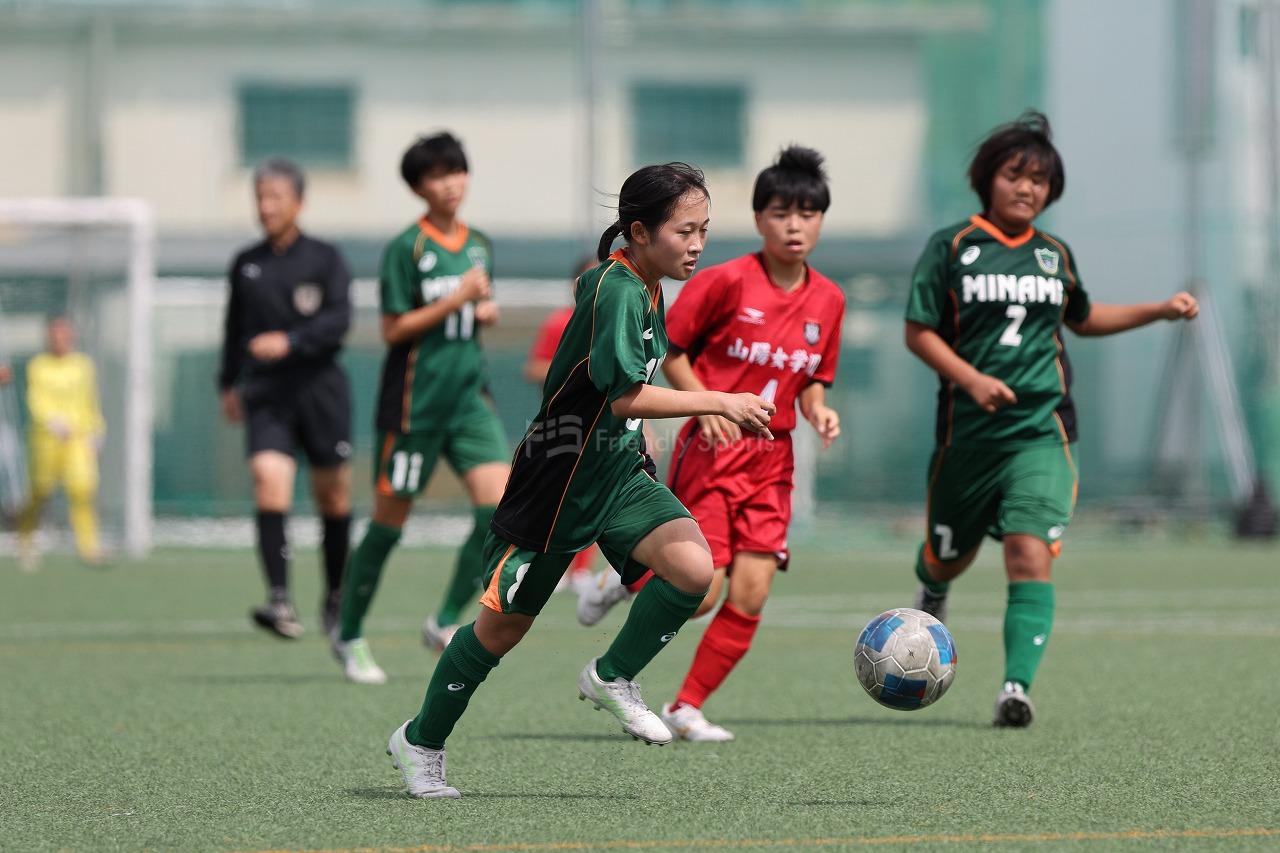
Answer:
(812, 332)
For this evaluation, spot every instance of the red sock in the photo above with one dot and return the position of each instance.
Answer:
(582, 560)
(636, 586)
(726, 641)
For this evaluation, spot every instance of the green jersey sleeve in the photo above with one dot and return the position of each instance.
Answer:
(929, 285)
(1077, 308)
(397, 279)
(617, 358)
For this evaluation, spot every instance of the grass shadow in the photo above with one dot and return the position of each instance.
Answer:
(395, 793)
(856, 721)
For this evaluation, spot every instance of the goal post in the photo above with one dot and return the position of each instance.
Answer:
(99, 254)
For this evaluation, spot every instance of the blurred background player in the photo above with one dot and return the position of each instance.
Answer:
(535, 371)
(770, 324)
(581, 476)
(288, 312)
(988, 299)
(67, 429)
(433, 400)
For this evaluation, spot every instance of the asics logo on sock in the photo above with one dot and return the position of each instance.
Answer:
(1039, 639)
(666, 638)
(455, 686)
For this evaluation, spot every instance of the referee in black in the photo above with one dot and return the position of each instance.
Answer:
(288, 311)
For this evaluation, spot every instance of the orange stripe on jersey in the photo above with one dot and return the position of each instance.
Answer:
(955, 241)
(492, 597)
(621, 257)
(1066, 258)
(930, 558)
(1000, 236)
(384, 485)
(1057, 360)
(449, 244)
(406, 399)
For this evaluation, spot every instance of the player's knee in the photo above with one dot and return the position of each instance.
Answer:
(1027, 559)
(689, 568)
(499, 633)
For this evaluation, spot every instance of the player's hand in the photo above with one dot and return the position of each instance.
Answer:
(231, 409)
(59, 427)
(750, 412)
(487, 312)
(474, 286)
(990, 393)
(718, 431)
(269, 346)
(1181, 306)
(826, 422)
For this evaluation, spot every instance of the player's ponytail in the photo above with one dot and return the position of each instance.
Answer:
(795, 178)
(648, 196)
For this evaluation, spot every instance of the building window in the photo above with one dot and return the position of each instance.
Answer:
(311, 124)
(704, 125)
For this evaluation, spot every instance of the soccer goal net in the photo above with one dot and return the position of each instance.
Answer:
(93, 262)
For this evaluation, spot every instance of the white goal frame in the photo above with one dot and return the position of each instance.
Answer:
(135, 216)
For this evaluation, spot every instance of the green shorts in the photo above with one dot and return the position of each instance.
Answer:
(975, 493)
(406, 460)
(518, 580)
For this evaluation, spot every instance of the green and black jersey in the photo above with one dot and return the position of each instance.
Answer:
(430, 381)
(1000, 302)
(569, 469)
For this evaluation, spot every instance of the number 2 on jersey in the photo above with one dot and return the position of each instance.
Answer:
(1016, 313)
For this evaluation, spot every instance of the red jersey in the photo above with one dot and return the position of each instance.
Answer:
(549, 335)
(743, 333)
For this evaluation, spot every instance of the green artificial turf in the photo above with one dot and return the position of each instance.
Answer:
(139, 710)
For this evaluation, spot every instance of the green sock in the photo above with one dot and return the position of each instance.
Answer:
(361, 579)
(922, 572)
(461, 669)
(468, 571)
(656, 615)
(1027, 622)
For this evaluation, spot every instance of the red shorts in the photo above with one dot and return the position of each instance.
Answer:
(740, 494)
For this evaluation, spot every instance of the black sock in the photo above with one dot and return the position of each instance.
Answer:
(337, 541)
(274, 551)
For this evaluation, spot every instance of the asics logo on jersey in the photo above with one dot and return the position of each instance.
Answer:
(666, 638)
(427, 262)
(754, 316)
(1012, 288)
(1056, 531)
(970, 255)
(647, 334)
(251, 271)
(1039, 639)
(455, 686)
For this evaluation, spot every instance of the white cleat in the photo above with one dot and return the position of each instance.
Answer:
(597, 598)
(1013, 707)
(422, 768)
(436, 636)
(687, 723)
(622, 699)
(357, 662)
(932, 603)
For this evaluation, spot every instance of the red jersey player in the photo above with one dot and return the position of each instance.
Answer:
(769, 324)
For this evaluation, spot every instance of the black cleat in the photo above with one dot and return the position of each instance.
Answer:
(279, 618)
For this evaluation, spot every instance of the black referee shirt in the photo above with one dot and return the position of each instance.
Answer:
(304, 291)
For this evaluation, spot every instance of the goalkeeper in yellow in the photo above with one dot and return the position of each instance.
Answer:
(65, 433)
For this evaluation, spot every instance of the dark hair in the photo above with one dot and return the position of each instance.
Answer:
(281, 167)
(1027, 138)
(796, 177)
(427, 154)
(648, 196)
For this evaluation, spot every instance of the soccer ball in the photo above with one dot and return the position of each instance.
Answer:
(905, 659)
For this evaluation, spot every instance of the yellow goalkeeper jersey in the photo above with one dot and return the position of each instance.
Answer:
(64, 389)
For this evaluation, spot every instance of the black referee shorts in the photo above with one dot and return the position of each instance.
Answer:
(311, 413)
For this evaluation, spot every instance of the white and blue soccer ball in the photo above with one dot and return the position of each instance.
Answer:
(905, 659)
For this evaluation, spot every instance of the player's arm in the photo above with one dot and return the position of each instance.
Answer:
(678, 369)
(43, 405)
(643, 400)
(987, 391)
(232, 352)
(412, 324)
(323, 331)
(1105, 319)
(824, 419)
